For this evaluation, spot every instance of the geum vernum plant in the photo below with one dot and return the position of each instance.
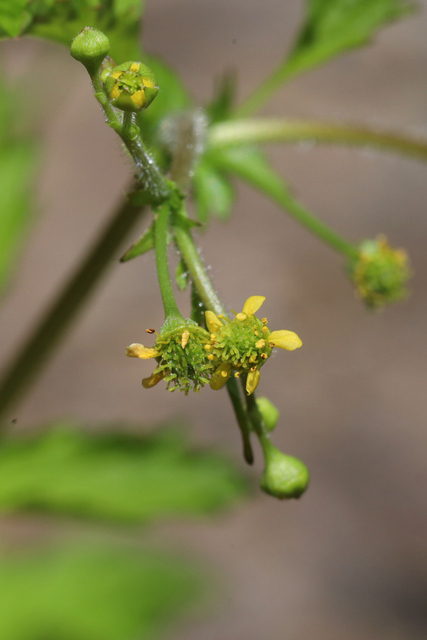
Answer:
(195, 151)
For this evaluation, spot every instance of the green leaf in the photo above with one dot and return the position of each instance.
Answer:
(17, 167)
(334, 26)
(221, 107)
(60, 21)
(100, 592)
(117, 477)
(250, 164)
(213, 192)
(331, 27)
(144, 243)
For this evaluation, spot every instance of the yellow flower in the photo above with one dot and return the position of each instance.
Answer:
(182, 360)
(244, 344)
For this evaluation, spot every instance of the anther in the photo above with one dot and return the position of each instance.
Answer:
(150, 331)
(264, 356)
(260, 344)
(241, 316)
(184, 338)
(207, 347)
(253, 368)
(211, 356)
(264, 329)
(271, 345)
(264, 320)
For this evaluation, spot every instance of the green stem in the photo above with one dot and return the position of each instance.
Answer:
(149, 176)
(38, 347)
(264, 91)
(161, 248)
(241, 417)
(251, 131)
(195, 266)
(275, 189)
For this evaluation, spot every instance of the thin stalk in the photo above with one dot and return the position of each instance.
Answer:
(40, 344)
(263, 130)
(161, 248)
(275, 189)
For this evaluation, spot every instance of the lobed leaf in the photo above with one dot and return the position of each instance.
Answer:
(117, 476)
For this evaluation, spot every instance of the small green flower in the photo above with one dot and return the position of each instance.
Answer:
(380, 272)
(182, 360)
(244, 344)
(131, 86)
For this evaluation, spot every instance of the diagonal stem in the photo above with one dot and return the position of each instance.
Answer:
(40, 344)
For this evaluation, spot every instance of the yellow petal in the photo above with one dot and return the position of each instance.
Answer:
(285, 340)
(147, 82)
(213, 323)
(135, 66)
(115, 92)
(252, 304)
(252, 381)
(116, 74)
(136, 350)
(221, 375)
(154, 379)
(138, 99)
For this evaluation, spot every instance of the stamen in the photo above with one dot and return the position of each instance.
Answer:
(150, 331)
(241, 316)
(260, 344)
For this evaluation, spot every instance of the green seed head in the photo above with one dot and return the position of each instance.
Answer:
(380, 272)
(90, 47)
(242, 343)
(183, 361)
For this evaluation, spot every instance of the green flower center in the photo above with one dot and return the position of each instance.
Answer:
(242, 343)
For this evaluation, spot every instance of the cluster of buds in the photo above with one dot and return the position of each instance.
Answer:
(380, 272)
(130, 86)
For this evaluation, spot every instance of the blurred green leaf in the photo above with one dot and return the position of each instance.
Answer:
(61, 21)
(17, 168)
(213, 192)
(93, 593)
(334, 26)
(250, 164)
(220, 108)
(117, 477)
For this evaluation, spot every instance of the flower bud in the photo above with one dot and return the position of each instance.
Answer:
(90, 47)
(269, 413)
(284, 477)
(380, 272)
(130, 86)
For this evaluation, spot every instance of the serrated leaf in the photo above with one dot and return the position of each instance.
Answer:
(334, 26)
(213, 192)
(117, 477)
(90, 592)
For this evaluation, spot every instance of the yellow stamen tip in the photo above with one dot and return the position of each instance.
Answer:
(264, 329)
(184, 338)
(241, 316)
(260, 344)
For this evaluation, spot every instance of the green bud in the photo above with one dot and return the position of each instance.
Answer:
(130, 86)
(90, 47)
(380, 272)
(269, 413)
(284, 477)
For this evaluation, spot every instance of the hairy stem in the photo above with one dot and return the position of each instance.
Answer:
(262, 130)
(38, 347)
(160, 245)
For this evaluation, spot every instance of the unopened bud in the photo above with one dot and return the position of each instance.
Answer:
(90, 47)
(284, 476)
(269, 413)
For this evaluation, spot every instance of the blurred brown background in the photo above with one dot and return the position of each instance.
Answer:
(348, 561)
